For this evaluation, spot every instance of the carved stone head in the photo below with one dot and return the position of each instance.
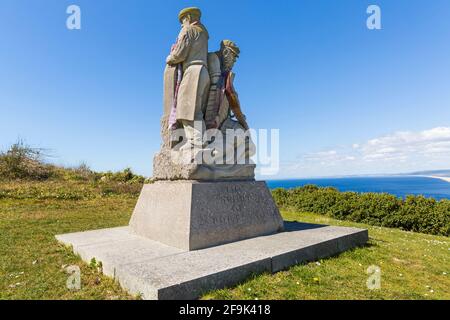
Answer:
(230, 53)
(189, 15)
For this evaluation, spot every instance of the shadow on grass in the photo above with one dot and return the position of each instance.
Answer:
(292, 226)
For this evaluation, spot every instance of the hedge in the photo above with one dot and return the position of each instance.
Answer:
(415, 213)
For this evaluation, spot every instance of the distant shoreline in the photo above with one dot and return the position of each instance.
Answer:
(440, 178)
(428, 185)
(447, 179)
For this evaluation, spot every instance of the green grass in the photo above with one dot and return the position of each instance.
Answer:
(32, 262)
(413, 266)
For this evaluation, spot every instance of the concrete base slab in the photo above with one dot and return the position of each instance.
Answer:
(157, 271)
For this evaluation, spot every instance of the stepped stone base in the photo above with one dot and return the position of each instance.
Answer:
(186, 238)
(157, 271)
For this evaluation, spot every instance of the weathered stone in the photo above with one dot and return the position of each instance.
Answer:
(194, 215)
(157, 271)
(199, 94)
(165, 168)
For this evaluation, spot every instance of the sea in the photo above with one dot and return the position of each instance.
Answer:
(400, 186)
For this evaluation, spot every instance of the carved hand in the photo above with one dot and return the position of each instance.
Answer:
(169, 60)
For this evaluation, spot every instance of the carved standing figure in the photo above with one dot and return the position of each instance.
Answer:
(187, 78)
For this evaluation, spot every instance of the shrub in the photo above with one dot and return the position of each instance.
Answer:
(24, 162)
(125, 176)
(24, 165)
(80, 173)
(25, 175)
(415, 213)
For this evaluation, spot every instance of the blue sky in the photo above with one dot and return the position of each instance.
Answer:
(347, 100)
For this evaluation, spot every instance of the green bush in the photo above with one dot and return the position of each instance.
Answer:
(125, 176)
(22, 162)
(25, 175)
(415, 213)
(80, 173)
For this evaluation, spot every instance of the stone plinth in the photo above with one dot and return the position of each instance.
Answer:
(186, 238)
(156, 271)
(192, 215)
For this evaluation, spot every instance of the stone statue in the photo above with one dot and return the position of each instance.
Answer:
(234, 226)
(223, 103)
(199, 95)
(188, 59)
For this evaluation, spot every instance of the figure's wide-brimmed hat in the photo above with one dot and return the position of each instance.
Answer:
(192, 11)
(232, 46)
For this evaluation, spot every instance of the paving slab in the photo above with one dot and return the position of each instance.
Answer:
(159, 272)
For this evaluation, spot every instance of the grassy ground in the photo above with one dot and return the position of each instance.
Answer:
(32, 263)
(413, 266)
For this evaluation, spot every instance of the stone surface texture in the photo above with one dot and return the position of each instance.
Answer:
(193, 215)
(157, 271)
(167, 168)
(198, 89)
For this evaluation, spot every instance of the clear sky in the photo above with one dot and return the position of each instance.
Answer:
(347, 100)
